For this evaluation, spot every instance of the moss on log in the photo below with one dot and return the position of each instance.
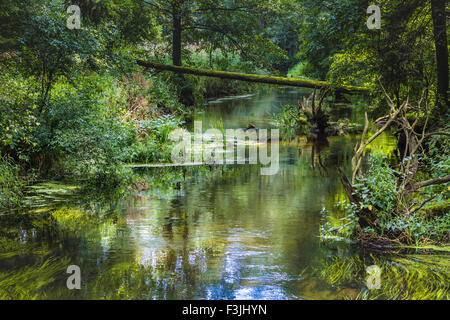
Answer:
(304, 83)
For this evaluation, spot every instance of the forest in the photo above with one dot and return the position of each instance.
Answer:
(96, 95)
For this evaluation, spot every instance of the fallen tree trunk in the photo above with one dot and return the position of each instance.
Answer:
(417, 186)
(304, 83)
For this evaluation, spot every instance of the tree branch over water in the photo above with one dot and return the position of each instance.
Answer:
(304, 83)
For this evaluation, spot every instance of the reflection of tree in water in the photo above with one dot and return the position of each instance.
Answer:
(242, 197)
(317, 148)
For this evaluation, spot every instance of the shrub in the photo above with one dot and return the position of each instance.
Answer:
(154, 144)
(378, 190)
(291, 122)
(10, 185)
(84, 131)
(379, 199)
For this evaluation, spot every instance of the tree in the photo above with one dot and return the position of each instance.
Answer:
(327, 27)
(440, 38)
(51, 93)
(338, 45)
(230, 25)
(133, 20)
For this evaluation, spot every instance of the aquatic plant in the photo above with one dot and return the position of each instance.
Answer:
(30, 282)
(417, 277)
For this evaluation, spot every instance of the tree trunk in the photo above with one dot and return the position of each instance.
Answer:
(440, 39)
(304, 83)
(176, 37)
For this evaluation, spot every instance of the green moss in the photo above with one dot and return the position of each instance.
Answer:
(304, 83)
(50, 188)
(439, 209)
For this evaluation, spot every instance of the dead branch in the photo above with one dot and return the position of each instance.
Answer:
(438, 133)
(357, 158)
(316, 116)
(414, 142)
(419, 185)
(422, 205)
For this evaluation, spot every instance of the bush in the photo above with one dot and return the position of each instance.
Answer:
(378, 190)
(11, 185)
(84, 131)
(290, 126)
(18, 120)
(298, 71)
(154, 145)
(79, 134)
(380, 200)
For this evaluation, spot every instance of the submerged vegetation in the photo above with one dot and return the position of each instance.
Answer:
(400, 279)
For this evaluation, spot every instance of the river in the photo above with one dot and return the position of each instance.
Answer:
(223, 232)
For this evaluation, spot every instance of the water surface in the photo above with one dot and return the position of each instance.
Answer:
(210, 232)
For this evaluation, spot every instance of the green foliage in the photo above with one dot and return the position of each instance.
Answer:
(335, 44)
(436, 228)
(145, 151)
(438, 156)
(83, 127)
(379, 188)
(79, 134)
(226, 26)
(340, 228)
(325, 29)
(378, 194)
(163, 95)
(291, 122)
(346, 69)
(298, 71)
(18, 119)
(11, 186)
(154, 145)
(161, 127)
(134, 19)
(283, 31)
(48, 49)
(57, 117)
(205, 88)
